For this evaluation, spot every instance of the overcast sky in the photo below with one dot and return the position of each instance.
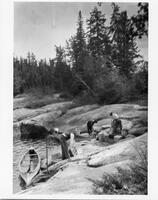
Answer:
(38, 26)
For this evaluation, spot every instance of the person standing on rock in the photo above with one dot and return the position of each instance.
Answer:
(62, 139)
(90, 124)
(116, 125)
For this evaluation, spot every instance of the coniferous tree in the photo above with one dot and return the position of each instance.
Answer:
(125, 49)
(77, 52)
(140, 21)
(77, 47)
(98, 38)
(95, 59)
(18, 82)
(99, 44)
(62, 71)
(80, 45)
(30, 74)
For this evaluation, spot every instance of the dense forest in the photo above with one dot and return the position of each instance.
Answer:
(100, 64)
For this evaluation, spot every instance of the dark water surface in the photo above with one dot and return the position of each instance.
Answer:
(20, 147)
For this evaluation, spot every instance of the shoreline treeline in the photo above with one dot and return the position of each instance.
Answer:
(100, 65)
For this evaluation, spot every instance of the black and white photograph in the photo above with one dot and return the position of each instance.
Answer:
(80, 98)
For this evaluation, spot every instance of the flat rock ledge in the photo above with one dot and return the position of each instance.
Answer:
(76, 176)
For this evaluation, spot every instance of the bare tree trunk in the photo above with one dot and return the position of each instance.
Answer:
(85, 84)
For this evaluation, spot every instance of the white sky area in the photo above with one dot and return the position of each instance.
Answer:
(39, 26)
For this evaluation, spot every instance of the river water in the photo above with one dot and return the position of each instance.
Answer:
(20, 147)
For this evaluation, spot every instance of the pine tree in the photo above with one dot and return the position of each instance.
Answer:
(60, 54)
(77, 47)
(18, 81)
(140, 21)
(62, 72)
(80, 44)
(125, 49)
(98, 37)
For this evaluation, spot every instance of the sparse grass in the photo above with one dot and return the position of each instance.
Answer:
(141, 100)
(39, 99)
(37, 103)
(132, 181)
(36, 98)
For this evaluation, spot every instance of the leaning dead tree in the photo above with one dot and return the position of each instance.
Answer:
(85, 84)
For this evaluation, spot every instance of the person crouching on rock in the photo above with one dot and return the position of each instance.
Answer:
(62, 139)
(90, 124)
(116, 125)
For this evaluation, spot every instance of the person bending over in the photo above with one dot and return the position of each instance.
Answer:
(62, 139)
(90, 124)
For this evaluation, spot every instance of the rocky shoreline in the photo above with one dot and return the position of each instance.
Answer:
(76, 176)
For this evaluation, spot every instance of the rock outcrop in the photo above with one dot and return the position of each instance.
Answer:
(68, 119)
(117, 152)
(94, 157)
(76, 176)
(35, 123)
(32, 130)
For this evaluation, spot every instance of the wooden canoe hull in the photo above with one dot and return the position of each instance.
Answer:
(28, 178)
(29, 169)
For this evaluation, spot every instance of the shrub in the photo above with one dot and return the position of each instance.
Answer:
(126, 181)
(84, 98)
(65, 95)
(107, 89)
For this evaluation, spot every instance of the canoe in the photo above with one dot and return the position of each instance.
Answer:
(29, 166)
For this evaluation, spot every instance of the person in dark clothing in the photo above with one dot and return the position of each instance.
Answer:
(62, 139)
(116, 125)
(90, 124)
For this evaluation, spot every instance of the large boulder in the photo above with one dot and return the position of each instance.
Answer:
(118, 152)
(32, 131)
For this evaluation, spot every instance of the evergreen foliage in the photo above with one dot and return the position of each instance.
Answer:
(102, 64)
(140, 21)
(125, 49)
